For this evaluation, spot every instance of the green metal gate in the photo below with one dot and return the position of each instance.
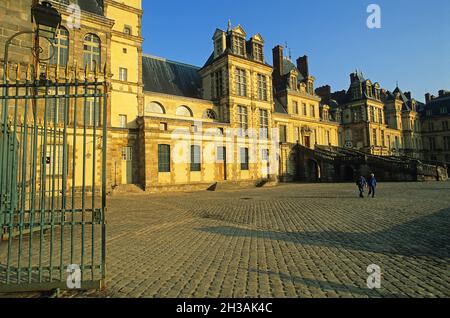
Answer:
(52, 180)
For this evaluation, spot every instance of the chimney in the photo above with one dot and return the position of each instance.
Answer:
(408, 95)
(353, 77)
(324, 91)
(277, 53)
(441, 93)
(302, 65)
(427, 98)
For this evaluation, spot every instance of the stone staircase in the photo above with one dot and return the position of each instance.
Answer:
(238, 185)
(126, 189)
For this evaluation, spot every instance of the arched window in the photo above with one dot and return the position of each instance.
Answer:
(184, 111)
(92, 51)
(59, 54)
(210, 114)
(155, 108)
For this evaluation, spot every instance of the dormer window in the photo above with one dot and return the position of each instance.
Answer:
(294, 82)
(239, 45)
(258, 52)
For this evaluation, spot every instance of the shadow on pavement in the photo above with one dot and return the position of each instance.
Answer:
(425, 236)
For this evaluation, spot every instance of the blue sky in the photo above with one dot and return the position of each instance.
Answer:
(412, 46)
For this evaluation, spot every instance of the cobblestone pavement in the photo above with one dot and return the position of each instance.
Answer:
(294, 240)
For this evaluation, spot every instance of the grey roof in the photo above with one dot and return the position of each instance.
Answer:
(435, 106)
(169, 77)
(279, 108)
(288, 66)
(92, 6)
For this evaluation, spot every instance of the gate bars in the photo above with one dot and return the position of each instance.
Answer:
(52, 179)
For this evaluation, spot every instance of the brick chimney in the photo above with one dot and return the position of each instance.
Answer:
(277, 53)
(302, 65)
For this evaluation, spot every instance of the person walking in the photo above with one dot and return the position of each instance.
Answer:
(372, 185)
(361, 183)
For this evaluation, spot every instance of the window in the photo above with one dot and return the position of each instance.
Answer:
(295, 107)
(262, 87)
(218, 84)
(283, 134)
(92, 49)
(432, 143)
(383, 143)
(327, 137)
(445, 125)
(154, 107)
(125, 50)
(241, 82)
(312, 111)
(60, 53)
(443, 110)
(304, 109)
(195, 158)
(210, 114)
(239, 45)
(265, 154)
(293, 83)
(127, 30)
(184, 111)
(380, 116)
(127, 154)
(429, 112)
(123, 74)
(258, 52)
(244, 158)
(372, 114)
(123, 121)
(163, 126)
(447, 142)
(242, 120)
(264, 123)
(91, 113)
(163, 158)
(375, 139)
(431, 126)
(55, 109)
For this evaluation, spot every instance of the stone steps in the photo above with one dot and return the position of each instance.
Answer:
(127, 189)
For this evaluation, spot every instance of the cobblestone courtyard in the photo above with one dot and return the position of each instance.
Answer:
(294, 240)
(288, 241)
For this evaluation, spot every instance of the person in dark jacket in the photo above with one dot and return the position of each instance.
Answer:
(372, 183)
(361, 183)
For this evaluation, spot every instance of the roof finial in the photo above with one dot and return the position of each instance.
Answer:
(229, 25)
(397, 84)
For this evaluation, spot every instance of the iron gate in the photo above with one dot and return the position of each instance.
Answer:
(52, 181)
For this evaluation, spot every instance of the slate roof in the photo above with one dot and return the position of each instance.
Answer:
(169, 77)
(93, 6)
(436, 104)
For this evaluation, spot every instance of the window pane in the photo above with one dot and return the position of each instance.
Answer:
(163, 158)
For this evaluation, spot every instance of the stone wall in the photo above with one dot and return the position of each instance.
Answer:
(15, 16)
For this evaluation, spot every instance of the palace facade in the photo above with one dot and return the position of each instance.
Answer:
(234, 119)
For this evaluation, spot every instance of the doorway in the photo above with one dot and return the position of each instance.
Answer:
(221, 163)
(127, 165)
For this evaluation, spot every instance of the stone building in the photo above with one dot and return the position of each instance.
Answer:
(435, 122)
(235, 119)
(374, 120)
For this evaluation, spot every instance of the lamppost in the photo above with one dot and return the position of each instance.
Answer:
(46, 21)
